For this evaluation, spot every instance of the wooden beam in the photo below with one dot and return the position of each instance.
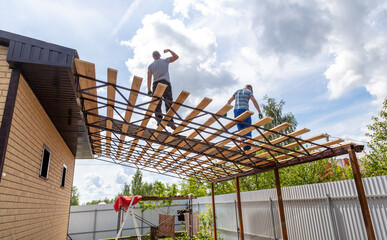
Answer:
(240, 217)
(175, 106)
(213, 211)
(224, 142)
(205, 125)
(266, 134)
(136, 84)
(229, 125)
(88, 69)
(361, 194)
(111, 95)
(203, 104)
(151, 107)
(280, 204)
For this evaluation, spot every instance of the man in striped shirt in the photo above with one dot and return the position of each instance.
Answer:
(242, 97)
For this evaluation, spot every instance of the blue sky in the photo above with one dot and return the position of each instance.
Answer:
(325, 58)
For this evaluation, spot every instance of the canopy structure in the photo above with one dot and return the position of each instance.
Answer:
(203, 146)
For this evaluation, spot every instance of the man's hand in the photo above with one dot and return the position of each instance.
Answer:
(149, 92)
(260, 115)
(166, 50)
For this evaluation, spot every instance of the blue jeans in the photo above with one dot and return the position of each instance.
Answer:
(240, 126)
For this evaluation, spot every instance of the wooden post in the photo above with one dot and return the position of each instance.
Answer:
(239, 208)
(361, 194)
(213, 211)
(280, 204)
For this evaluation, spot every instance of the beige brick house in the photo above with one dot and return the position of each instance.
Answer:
(41, 134)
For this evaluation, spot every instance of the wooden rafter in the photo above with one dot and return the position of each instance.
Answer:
(198, 147)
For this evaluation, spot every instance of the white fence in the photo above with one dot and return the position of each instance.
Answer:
(326, 211)
(318, 211)
(101, 221)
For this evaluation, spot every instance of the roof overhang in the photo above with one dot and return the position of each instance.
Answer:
(49, 71)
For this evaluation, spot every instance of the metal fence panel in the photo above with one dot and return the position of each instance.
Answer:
(100, 221)
(309, 212)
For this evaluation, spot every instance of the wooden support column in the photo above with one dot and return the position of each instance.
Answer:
(239, 208)
(213, 211)
(280, 204)
(361, 194)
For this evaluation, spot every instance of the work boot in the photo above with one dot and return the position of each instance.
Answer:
(171, 125)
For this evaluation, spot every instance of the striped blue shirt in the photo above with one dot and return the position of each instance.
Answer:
(242, 97)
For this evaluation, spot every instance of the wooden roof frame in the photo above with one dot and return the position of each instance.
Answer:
(195, 148)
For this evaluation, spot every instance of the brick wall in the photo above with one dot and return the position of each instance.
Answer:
(32, 207)
(5, 75)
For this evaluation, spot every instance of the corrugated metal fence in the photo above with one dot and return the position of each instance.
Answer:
(100, 221)
(318, 211)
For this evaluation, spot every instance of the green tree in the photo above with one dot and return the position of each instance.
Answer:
(193, 186)
(74, 196)
(274, 109)
(375, 160)
(137, 183)
(106, 200)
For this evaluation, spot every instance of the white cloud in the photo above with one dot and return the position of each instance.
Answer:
(359, 47)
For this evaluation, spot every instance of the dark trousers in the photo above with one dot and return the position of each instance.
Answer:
(167, 95)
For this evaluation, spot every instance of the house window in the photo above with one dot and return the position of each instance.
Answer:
(64, 170)
(45, 162)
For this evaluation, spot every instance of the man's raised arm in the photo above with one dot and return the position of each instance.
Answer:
(174, 55)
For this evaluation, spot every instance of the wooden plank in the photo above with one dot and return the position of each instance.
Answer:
(136, 85)
(280, 204)
(151, 108)
(229, 125)
(265, 154)
(361, 194)
(204, 126)
(88, 69)
(266, 134)
(327, 144)
(203, 104)
(174, 108)
(242, 132)
(111, 95)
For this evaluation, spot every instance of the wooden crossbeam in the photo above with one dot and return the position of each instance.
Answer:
(204, 126)
(136, 85)
(111, 95)
(174, 108)
(88, 69)
(203, 104)
(151, 108)
(266, 134)
(330, 143)
(242, 132)
(229, 125)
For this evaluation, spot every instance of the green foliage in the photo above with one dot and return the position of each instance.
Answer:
(74, 196)
(137, 183)
(106, 200)
(375, 160)
(193, 186)
(160, 190)
(273, 109)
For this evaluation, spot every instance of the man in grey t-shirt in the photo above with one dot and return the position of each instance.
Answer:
(159, 70)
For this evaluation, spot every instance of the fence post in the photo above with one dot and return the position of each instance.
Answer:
(361, 195)
(272, 218)
(95, 222)
(332, 217)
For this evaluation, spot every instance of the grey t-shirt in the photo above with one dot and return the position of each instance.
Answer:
(159, 69)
